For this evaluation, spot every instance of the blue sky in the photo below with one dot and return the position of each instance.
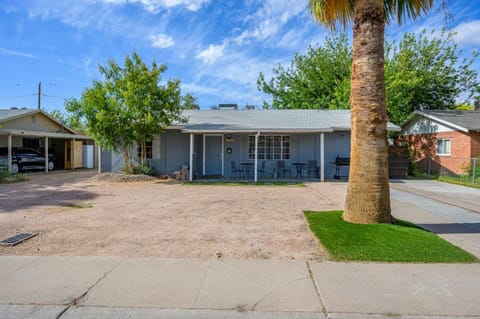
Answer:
(216, 48)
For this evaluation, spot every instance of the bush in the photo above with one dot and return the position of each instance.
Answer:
(143, 169)
(8, 178)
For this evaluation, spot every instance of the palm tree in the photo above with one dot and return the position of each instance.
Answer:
(368, 193)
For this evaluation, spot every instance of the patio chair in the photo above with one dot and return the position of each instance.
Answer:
(312, 167)
(236, 171)
(282, 169)
(261, 169)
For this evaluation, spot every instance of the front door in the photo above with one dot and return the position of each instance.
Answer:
(213, 155)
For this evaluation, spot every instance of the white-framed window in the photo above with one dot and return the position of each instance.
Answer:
(444, 146)
(270, 147)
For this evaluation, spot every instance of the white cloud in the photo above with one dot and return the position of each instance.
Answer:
(156, 5)
(468, 32)
(199, 89)
(18, 53)
(270, 19)
(161, 41)
(212, 54)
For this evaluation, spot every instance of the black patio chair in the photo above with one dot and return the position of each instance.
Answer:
(282, 169)
(236, 171)
(312, 167)
(261, 170)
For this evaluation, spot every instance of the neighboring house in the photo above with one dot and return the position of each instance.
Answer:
(443, 141)
(27, 128)
(211, 139)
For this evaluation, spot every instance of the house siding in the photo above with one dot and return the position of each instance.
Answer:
(174, 151)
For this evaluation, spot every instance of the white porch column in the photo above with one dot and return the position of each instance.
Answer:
(46, 154)
(255, 173)
(9, 153)
(190, 171)
(73, 154)
(99, 159)
(322, 157)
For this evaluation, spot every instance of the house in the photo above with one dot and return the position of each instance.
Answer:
(211, 140)
(442, 141)
(33, 128)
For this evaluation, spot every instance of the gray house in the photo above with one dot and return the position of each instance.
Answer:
(250, 144)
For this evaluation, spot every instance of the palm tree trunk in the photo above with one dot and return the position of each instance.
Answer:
(368, 194)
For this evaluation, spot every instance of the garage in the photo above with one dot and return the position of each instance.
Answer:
(26, 133)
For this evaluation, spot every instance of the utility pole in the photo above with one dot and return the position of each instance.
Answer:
(39, 93)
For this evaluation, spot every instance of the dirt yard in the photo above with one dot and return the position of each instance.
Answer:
(75, 215)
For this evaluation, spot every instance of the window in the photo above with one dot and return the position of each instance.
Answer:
(275, 147)
(148, 150)
(443, 146)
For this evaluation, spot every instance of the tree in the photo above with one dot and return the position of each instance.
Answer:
(128, 106)
(189, 102)
(425, 72)
(317, 80)
(368, 193)
(68, 120)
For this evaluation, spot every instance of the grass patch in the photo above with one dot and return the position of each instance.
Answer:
(402, 242)
(247, 183)
(464, 181)
(9, 178)
(82, 205)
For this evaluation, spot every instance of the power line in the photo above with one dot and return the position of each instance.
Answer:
(15, 97)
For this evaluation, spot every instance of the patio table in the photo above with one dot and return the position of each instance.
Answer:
(299, 167)
(247, 168)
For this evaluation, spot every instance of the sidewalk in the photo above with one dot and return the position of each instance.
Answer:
(103, 287)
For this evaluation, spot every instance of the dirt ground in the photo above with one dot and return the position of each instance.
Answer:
(77, 216)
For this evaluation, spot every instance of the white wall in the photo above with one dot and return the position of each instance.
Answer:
(424, 126)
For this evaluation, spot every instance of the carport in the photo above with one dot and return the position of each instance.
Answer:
(25, 128)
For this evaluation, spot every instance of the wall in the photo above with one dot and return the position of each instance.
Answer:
(336, 144)
(423, 147)
(37, 122)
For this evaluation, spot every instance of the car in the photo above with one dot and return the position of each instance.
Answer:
(27, 159)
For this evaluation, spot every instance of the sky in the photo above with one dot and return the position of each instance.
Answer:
(215, 48)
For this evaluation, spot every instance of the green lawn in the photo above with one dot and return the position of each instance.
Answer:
(403, 242)
(463, 180)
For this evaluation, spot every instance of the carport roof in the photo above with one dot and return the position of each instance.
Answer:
(268, 121)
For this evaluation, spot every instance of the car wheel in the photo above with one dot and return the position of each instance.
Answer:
(15, 168)
(50, 165)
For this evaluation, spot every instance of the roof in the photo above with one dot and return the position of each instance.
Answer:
(268, 121)
(461, 120)
(11, 114)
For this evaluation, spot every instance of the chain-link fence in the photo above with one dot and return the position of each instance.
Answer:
(463, 169)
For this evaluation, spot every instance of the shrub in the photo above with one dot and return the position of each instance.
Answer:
(143, 169)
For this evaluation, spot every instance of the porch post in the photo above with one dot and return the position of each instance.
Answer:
(73, 154)
(99, 159)
(9, 153)
(322, 157)
(190, 171)
(255, 173)
(46, 154)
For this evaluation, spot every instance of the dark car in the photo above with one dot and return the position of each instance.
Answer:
(27, 159)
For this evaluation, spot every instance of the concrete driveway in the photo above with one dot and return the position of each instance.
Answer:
(451, 211)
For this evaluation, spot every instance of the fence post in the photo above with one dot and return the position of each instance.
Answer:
(474, 169)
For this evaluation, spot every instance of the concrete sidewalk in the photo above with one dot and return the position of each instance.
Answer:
(102, 287)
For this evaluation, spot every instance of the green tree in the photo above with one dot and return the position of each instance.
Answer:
(425, 72)
(128, 106)
(69, 120)
(189, 102)
(317, 80)
(368, 193)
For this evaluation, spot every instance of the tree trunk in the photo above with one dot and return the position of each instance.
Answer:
(368, 194)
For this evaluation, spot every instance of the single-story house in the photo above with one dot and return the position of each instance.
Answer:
(219, 143)
(35, 129)
(442, 141)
